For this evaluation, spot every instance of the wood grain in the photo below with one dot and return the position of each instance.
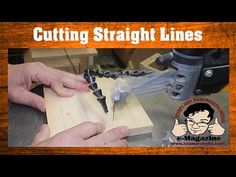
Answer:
(3, 67)
(66, 112)
(215, 35)
(3, 101)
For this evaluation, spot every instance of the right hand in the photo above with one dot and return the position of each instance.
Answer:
(87, 134)
(179, 129)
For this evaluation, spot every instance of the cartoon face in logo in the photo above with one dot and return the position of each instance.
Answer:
(199, 116)
(198, 119)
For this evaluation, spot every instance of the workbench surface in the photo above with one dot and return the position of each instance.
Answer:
(24, 121)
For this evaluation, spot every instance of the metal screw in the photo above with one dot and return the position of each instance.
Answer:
(175, 94)
(208, 73)
(198, 91)
(178, 87)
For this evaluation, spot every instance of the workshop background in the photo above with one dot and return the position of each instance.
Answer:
(24, 121)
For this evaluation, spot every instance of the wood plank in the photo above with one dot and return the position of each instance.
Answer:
(146, 64)
(57, 58)
(66, 112)
(48, 53)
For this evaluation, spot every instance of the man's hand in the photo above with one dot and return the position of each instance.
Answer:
(87, 134)
(21, 77)
(216, 129)
(179, 129)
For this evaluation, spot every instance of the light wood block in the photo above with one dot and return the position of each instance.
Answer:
(57, 58)
(39, 53)
(66, 112)
(147, 63)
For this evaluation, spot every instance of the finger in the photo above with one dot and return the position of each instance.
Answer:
(42, 135)
(57, 80)
(176, 122)
(216, 121)
(109, 136)
(184, 128)
(49, 75)
(73, 76)
(41, 73)
(210, 127)
(81, 78)
(61, 90)
(86, 129)
(182, 125)
(74, 84)
(28, 98)
(118, 143)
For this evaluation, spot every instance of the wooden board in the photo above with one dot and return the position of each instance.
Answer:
(39, 53)
(57, 57)
(147, 64)
(66, 112)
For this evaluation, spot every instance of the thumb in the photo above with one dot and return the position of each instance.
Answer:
(216, 121)
(176, 122)
(42, 135)
(61, 90)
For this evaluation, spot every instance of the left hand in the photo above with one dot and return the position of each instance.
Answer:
(21, 77)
